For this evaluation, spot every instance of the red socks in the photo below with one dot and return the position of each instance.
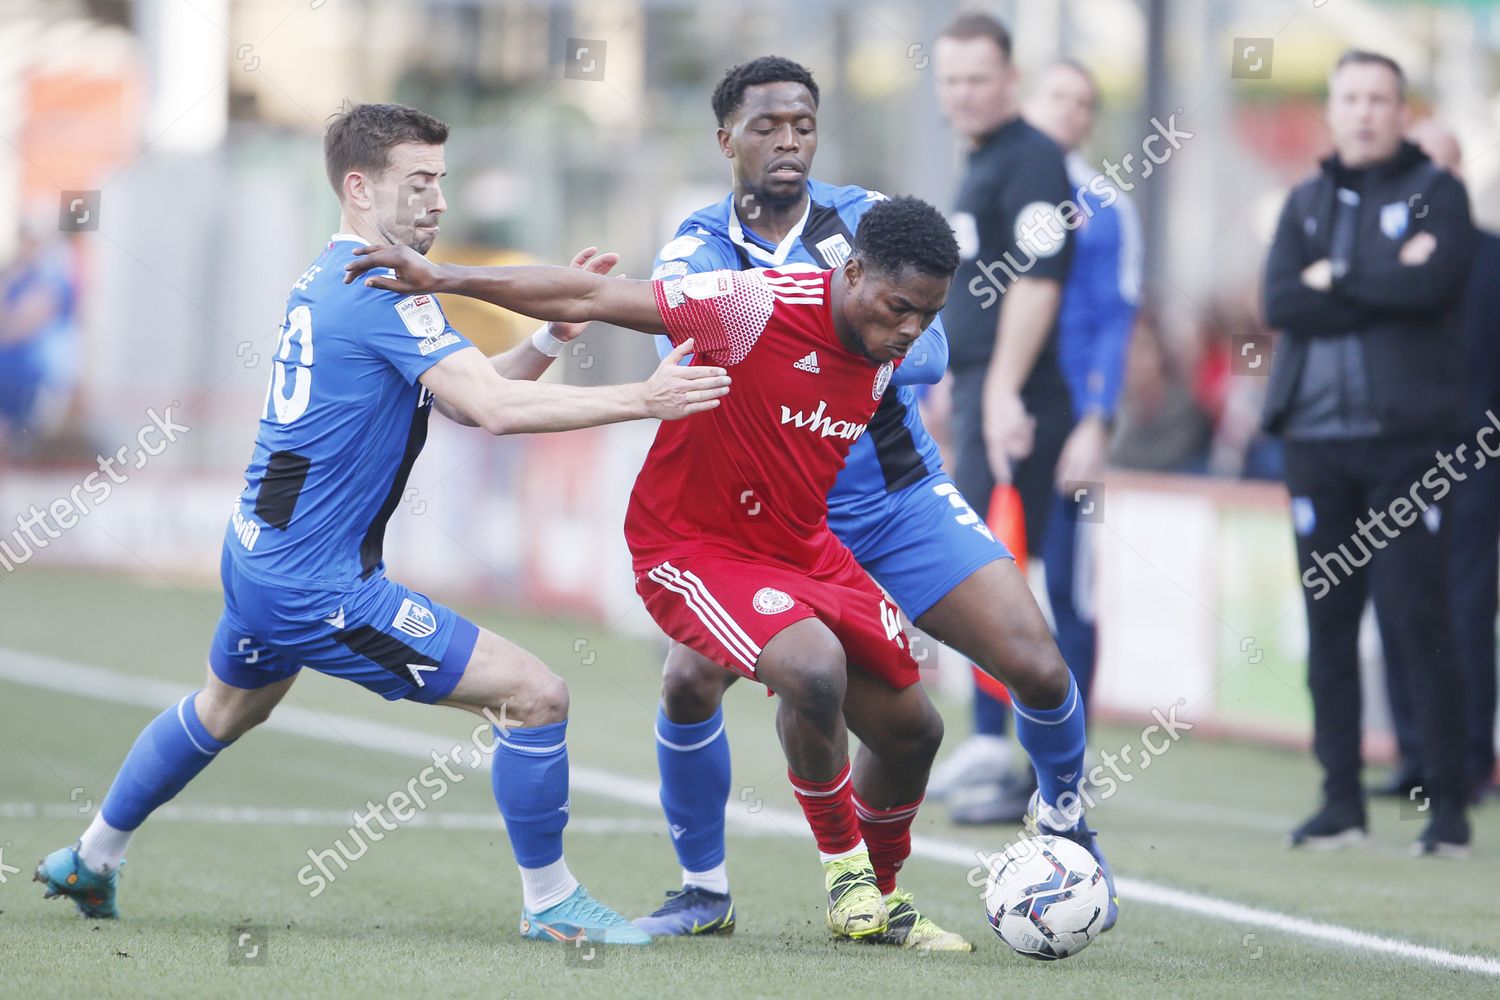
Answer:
(887, 834)
(829, 808)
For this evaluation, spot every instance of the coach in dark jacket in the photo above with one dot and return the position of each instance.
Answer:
(1364, 280)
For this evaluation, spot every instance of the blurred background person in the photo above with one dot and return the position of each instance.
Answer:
(1010, 413)
(1365, 290)
(1097, 314)
(1163, 428)
(39, 349)
(1474, 515)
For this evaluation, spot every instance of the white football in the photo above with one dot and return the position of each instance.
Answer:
(1046, 898)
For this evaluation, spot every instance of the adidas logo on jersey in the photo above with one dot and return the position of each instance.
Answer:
(809, 363)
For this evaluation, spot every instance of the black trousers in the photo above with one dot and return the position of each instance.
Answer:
(1333, 485)
(1047, 400)
(1473, 512)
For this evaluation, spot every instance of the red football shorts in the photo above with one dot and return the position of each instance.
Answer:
(728, 609)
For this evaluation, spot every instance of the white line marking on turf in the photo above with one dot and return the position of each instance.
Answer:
(107, 685)
(262, 816)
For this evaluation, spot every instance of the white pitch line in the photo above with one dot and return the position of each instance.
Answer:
(79, 680)
(262, 816)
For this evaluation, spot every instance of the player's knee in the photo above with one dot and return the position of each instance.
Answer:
(541, 701)
(911, 743)
(928, 739)
(810, 674)
(691, 688)
(229, 715)
(1040, 678)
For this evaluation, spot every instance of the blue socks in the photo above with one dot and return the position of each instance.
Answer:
(694, 764)
(1055, 738)
(530, 776)
(166, 756)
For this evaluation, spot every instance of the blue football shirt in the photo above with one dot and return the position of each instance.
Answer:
(344, 420)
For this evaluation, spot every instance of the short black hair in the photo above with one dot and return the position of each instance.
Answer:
(361, 136)
(976, 25)
(1364, 57)
(729, 95)
(906, 232)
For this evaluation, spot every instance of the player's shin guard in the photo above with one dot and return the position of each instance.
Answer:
(829, 808)
(695, 773)
(166, 756)
(1055, 738)
(887, 834)
(530, 777)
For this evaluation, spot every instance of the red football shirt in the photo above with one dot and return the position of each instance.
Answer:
(751, 477)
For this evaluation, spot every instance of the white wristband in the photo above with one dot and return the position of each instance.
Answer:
(549, 345)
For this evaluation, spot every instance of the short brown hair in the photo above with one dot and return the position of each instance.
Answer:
(967, 26)
(361, 136)
(1363, 57)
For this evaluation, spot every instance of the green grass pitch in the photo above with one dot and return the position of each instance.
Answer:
(432, 909)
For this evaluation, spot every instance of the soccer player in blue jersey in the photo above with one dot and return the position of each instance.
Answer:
(894, 507)
(355, 377)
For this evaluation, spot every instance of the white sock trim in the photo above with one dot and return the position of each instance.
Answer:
(545, 887)
(102, 847)
(858, 848)
(1064, 816)
(686, 748)
(1073, 704)
(716, 879)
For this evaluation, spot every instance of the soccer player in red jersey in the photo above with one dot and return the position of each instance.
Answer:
(727, 524)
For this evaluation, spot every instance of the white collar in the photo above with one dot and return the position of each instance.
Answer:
(776, 259)
(348, 237)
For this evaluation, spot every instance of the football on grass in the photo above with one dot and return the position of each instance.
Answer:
(1046, 898)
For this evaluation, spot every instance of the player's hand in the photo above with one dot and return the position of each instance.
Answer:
(1318, 275)
(675, 391)
(414, 275)
(591, 260)
(1009, 431)
(1082, 458)
(1416, 251)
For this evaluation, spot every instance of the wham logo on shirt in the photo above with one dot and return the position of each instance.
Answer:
(821, 424)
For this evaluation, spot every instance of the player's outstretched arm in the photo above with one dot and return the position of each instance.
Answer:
(559, 294)
(533, 356)
(468, 385)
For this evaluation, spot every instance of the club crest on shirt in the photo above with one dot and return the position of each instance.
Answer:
(421, 315)
(415, 620)
(1304, 516)
(835, 250)
(882, 379)
(770, 601)
(1394, 219)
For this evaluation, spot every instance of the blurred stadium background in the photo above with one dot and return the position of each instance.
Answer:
(161, 173)
(191, 130)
